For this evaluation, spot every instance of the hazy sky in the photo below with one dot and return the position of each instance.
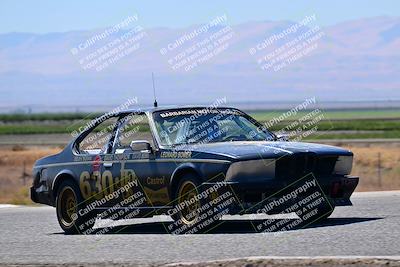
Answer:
(41, 16)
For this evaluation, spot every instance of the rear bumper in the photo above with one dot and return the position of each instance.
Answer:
(33, 194)
(42, 197)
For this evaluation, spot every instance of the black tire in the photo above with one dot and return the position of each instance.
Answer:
(69, 202)
(325, 215)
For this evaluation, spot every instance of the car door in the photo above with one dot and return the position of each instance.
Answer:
(135, 146)
(93, 148)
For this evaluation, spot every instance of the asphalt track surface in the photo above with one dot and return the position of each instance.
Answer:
(31, 235)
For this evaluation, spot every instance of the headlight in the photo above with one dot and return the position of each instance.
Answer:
(251, 170)
(343, 165)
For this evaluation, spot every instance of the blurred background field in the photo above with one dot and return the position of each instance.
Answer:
(372, 134)
(336, 124)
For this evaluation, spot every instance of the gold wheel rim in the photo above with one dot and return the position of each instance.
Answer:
(67, 206)
(190, 212)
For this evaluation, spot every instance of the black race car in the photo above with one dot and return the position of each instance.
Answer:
(192, 163)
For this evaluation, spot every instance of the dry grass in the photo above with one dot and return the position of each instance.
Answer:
(377, 165)
(14, 190)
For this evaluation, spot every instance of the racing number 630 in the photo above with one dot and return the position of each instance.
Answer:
(102, 184)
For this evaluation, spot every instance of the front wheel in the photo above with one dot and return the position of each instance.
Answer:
(68, 203)
(186, 202)
(324, 214)
(195, 206)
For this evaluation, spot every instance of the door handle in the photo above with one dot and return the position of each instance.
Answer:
(108, 164)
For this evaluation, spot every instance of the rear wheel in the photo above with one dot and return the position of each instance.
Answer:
(69, 201)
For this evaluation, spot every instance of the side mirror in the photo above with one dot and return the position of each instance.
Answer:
(141, 146)
(282, 137)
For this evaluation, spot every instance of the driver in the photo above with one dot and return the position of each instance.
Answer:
(213, 133)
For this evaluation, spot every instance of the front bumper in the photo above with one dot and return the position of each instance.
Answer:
(336, 189)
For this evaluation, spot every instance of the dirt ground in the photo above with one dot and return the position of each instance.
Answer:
(378, 166)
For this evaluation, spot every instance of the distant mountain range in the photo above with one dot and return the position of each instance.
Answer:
(353, 60)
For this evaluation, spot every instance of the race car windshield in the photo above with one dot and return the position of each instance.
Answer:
(190, 126)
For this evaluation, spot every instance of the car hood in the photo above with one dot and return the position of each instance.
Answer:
(267, 149)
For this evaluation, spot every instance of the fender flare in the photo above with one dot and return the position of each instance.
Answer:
(185, 167)
(61, 176)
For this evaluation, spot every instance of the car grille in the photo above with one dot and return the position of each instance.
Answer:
(298, 165)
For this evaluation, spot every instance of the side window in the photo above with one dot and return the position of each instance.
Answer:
(133, 127)
(97, 140)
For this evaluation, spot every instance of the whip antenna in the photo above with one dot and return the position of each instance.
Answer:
(154, 91)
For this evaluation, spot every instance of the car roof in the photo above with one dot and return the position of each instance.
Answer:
(172, 107)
